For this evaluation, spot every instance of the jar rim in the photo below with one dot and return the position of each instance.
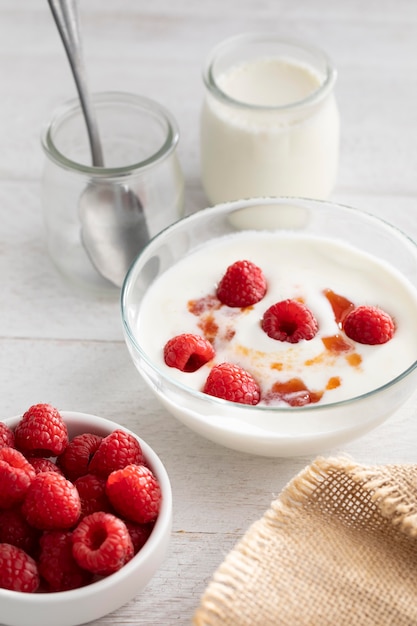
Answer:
(325, 87)
(72, 107)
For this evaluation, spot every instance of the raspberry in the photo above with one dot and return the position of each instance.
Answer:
(139, 534)
(242, 285)
(18, 571)
(16, 476)
(232, 383)
(40, 464)
(134, 493)
(101, 543)
(15, 530)
(92, 492)
(114, 452)
(41, 431)
(51, 502)
(6, 436)
(77, 455)
(56, 563)
(369, 325)
(289, 320)
(188, 352)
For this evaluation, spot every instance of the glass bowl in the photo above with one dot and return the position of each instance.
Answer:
(269, 430)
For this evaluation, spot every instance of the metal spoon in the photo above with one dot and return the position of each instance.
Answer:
(113, 224)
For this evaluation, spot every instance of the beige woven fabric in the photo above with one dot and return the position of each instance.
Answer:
(337, 548)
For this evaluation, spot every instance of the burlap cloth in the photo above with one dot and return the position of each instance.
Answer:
(338, 547)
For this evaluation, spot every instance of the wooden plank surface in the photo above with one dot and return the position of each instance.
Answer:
(61, 347)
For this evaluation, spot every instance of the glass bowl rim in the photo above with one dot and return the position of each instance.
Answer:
(212, 400)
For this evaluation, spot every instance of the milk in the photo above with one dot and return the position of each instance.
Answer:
(295, 266)
(269, 127)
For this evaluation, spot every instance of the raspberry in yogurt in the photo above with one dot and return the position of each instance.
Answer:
(329, 281)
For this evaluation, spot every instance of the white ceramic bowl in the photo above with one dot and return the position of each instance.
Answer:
(268, 430)
(78, 606)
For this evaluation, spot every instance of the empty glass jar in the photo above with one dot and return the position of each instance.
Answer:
(139, 139)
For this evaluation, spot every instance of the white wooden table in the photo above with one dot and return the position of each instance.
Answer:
(61, 347)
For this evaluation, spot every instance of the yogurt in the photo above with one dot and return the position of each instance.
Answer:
(330, 366)
(269, 127)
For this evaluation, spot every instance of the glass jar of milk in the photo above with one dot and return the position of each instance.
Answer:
(269, 122)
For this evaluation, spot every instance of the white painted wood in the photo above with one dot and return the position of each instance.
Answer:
(58, 346)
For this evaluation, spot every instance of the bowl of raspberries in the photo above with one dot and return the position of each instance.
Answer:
(276, 326)
(85, 517)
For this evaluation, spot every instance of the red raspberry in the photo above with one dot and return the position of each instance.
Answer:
(92, 492)
(139, 534)
(56, 563)
(52, 502)
(114, 452)
(15, 530)
(16, 476)
(242, 285)
(369, 325)
(289, 320)
(232, 383)
(18, 571)
(41, 431)
(134, 493)
(101, 543)
(188, 352)
(40, 464)
(77, 455)
(6, 436)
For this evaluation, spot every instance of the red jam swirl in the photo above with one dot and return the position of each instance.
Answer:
(294, 391)
(341, 306)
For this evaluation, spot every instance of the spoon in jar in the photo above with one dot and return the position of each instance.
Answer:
(113, 223)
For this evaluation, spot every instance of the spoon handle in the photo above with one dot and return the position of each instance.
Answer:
(66, 18)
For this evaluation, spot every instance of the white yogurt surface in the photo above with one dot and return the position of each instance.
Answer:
(278, 82)
(249, 152)
(295, 266)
